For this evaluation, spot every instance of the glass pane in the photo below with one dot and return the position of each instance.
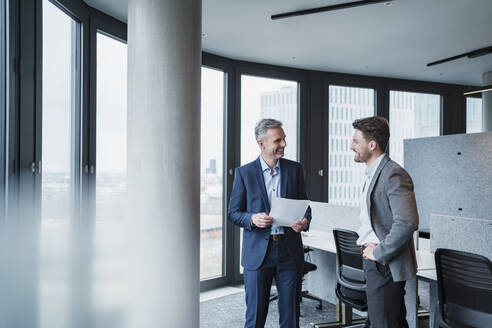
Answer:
(267, 98)
(110, 285)
(346, 104)
(473, 115)
(56, 147)
(111, 130)
(211, 174)
(412, 115)
(57, 155)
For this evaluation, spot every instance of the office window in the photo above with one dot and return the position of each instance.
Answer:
(110, 259)
(253, 89)
(211, 174)
(111, 133)
(56, 126)
(346, 173)
(412, 115)
(473, 115)
(61, 35)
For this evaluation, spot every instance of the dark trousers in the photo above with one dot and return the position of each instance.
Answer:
(277, 264)
(385, 298)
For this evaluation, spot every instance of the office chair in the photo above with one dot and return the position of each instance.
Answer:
(351, 284)
(464, 283)
(308, 267)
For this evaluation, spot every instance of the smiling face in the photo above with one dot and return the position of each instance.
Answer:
(363, 149)
(273, 144)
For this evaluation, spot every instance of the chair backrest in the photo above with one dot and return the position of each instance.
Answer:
(465, 288)
(350, 267)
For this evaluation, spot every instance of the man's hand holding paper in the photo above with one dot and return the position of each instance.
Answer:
(261, 220)
(300, 225)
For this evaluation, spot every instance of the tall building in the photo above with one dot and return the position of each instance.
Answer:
(345, 176)
(412, 115)
(282, 105)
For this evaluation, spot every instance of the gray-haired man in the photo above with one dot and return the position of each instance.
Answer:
(269, 251)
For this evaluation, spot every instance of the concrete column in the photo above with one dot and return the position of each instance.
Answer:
(164, 59)
(487, 103)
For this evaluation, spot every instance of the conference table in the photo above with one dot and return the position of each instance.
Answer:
(324, 241)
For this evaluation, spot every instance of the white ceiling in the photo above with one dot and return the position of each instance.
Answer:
(396, 40)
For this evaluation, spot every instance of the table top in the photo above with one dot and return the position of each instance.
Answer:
(427, 274)
(325, 241)
(425, 260)
(322, 240)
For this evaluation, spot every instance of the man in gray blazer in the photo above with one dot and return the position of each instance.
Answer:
(388, 219)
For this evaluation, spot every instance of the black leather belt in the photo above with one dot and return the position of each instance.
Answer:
(276, 237)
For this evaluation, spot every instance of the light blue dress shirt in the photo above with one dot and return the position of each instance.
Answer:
(272, 186)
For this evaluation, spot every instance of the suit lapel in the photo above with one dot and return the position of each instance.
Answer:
(373, 182)
(261, 184)
(283, 178)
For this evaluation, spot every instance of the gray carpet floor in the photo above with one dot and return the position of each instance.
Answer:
(228, 311)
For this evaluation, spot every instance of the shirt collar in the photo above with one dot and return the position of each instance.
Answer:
(264, 165)
(371, 169)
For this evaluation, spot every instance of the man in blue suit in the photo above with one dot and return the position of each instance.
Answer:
(269, 251)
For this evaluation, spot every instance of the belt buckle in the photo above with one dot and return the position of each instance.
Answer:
(277, 237)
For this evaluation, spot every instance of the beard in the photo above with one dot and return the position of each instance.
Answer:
(279, 153)
(361, 157)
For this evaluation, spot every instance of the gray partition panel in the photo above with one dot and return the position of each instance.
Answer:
(464, 234)
(451, 174)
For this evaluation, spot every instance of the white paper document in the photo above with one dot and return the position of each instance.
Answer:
(287, 211)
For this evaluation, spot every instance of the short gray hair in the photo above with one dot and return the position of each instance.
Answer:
(263, 125)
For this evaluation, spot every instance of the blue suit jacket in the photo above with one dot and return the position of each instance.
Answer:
(249, 196)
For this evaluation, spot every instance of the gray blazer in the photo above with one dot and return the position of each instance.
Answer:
(394, 218)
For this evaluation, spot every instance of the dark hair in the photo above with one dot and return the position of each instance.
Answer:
(374, 128)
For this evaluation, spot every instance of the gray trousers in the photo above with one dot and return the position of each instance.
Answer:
(385, 298)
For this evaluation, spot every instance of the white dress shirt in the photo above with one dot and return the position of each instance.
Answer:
(366, 234)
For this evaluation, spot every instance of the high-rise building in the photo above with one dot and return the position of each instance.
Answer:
(412, 115)
(282, 105)
(345, 176)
